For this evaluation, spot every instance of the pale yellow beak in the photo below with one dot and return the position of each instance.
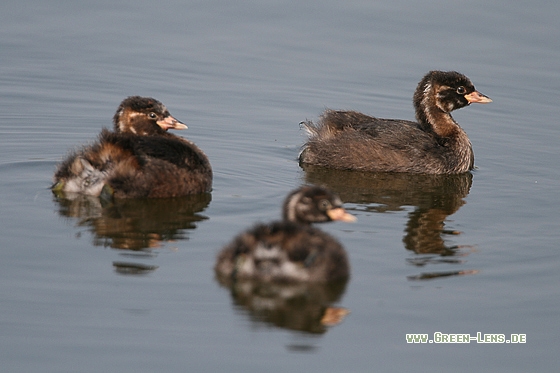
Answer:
(478, 98)
(341, 215)
(171, 123)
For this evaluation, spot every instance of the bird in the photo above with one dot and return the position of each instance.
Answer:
(138, 159)
(136, 115)
(291, 249)
(434, 144)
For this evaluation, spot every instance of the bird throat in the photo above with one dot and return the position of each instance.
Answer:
(434, 119)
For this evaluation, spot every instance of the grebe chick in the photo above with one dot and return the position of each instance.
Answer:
(137, 115)
(435, 144)
(139, 159)
(291, 250)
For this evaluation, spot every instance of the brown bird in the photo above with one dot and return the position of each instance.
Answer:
(139, 159)
(435, 144)
(290, 250)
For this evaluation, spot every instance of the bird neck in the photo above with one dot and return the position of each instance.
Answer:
(447, 132)
(431, 117)
(291, 216)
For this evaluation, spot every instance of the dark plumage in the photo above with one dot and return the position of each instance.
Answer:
(435, 144)
(137, 115)
(139, 159)
(291, 249)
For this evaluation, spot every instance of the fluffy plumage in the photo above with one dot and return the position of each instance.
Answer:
(291, 249)
(139, 159)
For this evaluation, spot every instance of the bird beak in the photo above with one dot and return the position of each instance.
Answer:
(478, 98)
(170, 122)
(341, 215)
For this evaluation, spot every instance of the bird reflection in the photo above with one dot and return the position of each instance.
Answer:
(134, 224)
(303, 307)
(433, 198)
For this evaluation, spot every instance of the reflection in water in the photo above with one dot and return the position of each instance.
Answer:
(303, 307)
(433, 197)
(134, 224)
(126, 268)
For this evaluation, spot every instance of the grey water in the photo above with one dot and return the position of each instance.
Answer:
(128, 286)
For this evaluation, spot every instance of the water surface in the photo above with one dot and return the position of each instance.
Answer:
(129, 286)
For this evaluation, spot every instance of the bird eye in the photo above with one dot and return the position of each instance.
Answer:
(461, 90)
(152, 115)
(324, 204)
